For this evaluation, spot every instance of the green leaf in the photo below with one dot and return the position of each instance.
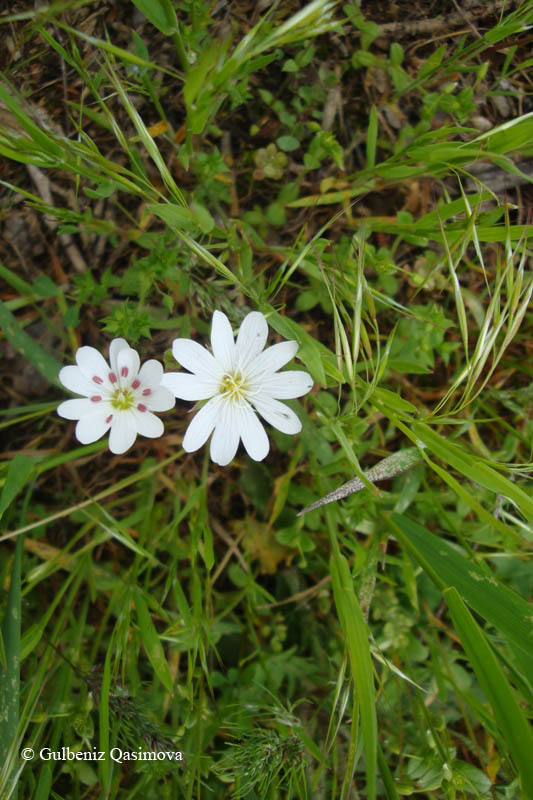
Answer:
(357, 644)
(18, 475)
(509, 717)
(174, 215)
(104, 767)
(433, 62)
(160, 13)
(201, 216)
(396, 54)
(287, 143)
(46, 364)
(104, 189)
(10, 676)
(502, 607)
(17, 283)
(290, 66)
(309, 352)
(152, 643)
(473, 468)
(45, 287)
(371, 138)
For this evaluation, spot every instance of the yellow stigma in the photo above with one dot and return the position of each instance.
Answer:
(233, 387)
(122, 399)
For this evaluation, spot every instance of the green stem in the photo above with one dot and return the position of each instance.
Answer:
(182, 55)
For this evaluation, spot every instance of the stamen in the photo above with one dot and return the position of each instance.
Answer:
(234, 387)
(96, 398)
(112, 377)
(108, 420)
(97, 380)
(136, 383)
(124, 372)
(122, 399)
(146, 392)
(141, 407)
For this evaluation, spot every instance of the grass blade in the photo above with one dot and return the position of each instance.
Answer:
(10, 677)
(46, 364)
(502, 607)
(509, 717)
(18, 474)
(473, 468)
(151, 641)
(356, 633)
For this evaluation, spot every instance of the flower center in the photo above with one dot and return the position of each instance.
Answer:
(233, 387)
(122, 399)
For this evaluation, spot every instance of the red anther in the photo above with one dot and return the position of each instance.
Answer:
(141, 407)
(136, 383)
(97, 380)
(146, 392)
(112, 377)
(96, 398)
(108, 420)
(124, 372)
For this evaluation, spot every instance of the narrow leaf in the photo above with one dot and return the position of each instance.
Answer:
(152, 643)
(160, 13)
(357, 643)
(473, 468)
(10, 677)
(46, 364)
(502, 607)
(371, 138)
(18, 474)
(509, 717)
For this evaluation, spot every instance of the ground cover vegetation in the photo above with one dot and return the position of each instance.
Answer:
(360, 175)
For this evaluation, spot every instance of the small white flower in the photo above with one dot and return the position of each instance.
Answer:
(119, 397)
(237, 379)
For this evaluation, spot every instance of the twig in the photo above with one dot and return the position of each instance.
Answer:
(445, 22)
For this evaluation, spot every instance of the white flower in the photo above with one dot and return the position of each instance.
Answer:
(237, 379)
(119, 397)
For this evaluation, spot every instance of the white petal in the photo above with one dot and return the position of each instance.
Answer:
(92, 427)
(253, 434)
(251, 338)
(278, 415)
(285, 385)
(150, 374)
(148, 424)
(76, 409)
(201, 426)
(272, 359)
(92, 363)
(128, 362)
(225, 439)
(73, 378)
(196, 358)
(222, 343)
(159, 399)
(122, 434)
(190, 387)
(114, 349)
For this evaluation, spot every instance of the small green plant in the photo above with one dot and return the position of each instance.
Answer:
(270, 163)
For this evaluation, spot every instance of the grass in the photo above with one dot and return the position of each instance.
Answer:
(318, 168)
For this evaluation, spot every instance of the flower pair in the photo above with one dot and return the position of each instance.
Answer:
(237, 379)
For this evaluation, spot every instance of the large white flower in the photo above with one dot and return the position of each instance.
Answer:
(119, 397)
(237, 379)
